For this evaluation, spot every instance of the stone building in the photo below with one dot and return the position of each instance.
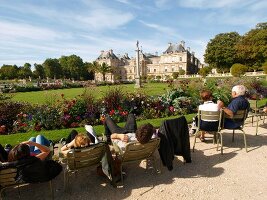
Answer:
(174, 59)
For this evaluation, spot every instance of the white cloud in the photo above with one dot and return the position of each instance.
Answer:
(163, 29)
(13, 30)
(162, 3)
(205, 4)
(104, 19)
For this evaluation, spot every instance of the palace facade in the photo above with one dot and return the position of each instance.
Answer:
(174, 59)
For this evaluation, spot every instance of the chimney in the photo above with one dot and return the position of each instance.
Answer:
(126, 55)
(188, 49)
(111, 51)
(170, 44)
(183, 43)
(193, 53)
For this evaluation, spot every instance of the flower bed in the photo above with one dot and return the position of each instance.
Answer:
(182, 98)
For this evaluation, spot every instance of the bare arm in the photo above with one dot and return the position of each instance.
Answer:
(119, 136)
(44, 149)
(67, 147)
(228, 112)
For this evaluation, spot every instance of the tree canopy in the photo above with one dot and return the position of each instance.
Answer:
(220, 52)
(252, 48)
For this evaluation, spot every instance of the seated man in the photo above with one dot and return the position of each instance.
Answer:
(238, 102)
(129, 133)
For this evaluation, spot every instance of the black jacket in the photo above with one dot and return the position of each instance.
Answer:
(34, 170)
(174, 140)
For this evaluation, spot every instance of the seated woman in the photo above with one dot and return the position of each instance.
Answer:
(36, 149)
(32, 169)
(129, 133)
(208, 105)
(75, 140)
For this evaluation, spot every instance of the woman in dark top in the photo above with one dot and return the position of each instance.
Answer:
(31, 169)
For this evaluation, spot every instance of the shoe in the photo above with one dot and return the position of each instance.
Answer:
(62, 141)
(192, 132)
(8, 147)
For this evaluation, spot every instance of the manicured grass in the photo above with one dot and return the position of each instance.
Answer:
(56, 135)
(50, 96)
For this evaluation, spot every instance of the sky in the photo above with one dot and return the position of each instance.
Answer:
(34, 30)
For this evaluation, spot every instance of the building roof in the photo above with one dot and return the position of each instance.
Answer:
(174, 48)
(107, 55)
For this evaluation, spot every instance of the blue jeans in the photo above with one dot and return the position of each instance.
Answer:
(40, 139)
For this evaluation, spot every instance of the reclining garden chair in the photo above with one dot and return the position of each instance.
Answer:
(241, 116)
(208, 115)
(257, 112)
(136, 152)
(82, 158)
(8, 180)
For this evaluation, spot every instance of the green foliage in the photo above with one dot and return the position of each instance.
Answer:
(48, 117)
(220, 52)
(52, 68)
(175, 75)
(8, 72)
(181, 72)
(264, 67)
(104, 68)
(238, 69)
(9, 112)
(252, 48)
(205, 71)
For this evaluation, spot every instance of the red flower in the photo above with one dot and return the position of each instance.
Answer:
(112, 112)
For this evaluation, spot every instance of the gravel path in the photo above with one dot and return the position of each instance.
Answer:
(234, 175)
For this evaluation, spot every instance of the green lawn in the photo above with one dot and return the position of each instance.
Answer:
(56, 135)
(42, 97)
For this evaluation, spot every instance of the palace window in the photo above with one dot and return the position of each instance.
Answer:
(155, 70)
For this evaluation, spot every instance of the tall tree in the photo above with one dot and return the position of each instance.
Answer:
(104, 68)
(9, 72)
(63, 61)
(72, 66)
(91, 69)
(75, 64)
(220, 52)
(252, 48)
(52, 68)
(25, 71)
(39, 71)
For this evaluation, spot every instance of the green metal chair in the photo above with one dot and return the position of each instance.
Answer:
(8, 180)
(240, 116)
(208, 116)
(82, 158)
(136, 152)
(257, 112)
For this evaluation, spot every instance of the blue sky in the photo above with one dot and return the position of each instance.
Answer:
(33, 30)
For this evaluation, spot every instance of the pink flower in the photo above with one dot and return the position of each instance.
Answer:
(171, 109)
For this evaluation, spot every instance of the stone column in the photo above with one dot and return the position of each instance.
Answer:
(137, 76)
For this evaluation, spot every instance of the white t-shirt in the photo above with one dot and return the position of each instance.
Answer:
(209, 106)
(121, 144)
